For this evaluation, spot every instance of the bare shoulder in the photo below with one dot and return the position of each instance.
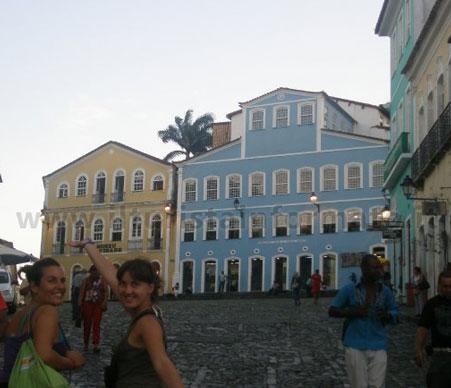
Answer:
(46, 313)
(148, 324)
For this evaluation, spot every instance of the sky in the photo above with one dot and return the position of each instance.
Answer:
(75, 74)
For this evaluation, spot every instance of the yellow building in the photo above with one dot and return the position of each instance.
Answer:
(429, 72)
(118, 197)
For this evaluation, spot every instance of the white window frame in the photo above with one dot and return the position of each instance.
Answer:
(185, 181)
(217, 188)
(164, 182)
(371, 177)
(93, 232)
(227, 227)
(312, 216)
(227, 188)
(353, 209)
(205, 228)
(134, 179)
(250, 183)
(251, 224)
(274, 224)
(194, 231)
(298, 176)
(115, 176)
(371, 210)
(321, 223)
(112, 229)
(251, 119)
(334, 166)
(56, 227)
(301, 116)
(131, 237)
(74, 228)
(96, 178)
(76, 185)
(274, 179)
(346, 182)
(59, 188)
(274, 115)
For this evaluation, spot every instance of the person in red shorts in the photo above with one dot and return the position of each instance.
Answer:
(93, 299)
(316, 285)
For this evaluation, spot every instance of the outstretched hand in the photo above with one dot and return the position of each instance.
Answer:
(78, 243)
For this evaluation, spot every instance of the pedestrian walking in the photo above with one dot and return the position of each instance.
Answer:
(296, 288)
(93, 302)
(39, 321)
(140, 358)
(315, 285)
(77, 279)
(436, 317)
(420, 289)
(367, 307)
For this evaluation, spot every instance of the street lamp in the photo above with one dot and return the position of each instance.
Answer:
(314, 200)
(386, 213)
(239, 207)
(169, 208)
(409, 190)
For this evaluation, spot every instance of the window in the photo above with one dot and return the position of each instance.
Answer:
(98, 230)
(353, 176)
(155, 232)
(305, 223)
(117, 230)
(376, 213)
(257, 184)
(211, 229)
(377, 174)
(138, 181)
(190, 190)
(188, 230)
(281, 117)
(421, 124)
(234, 186)
(305, 113)
(63, 190)
(305, 179)
(79, 230)
(353, 220)
(137, 226)
(329, 180)
(281, 185)
(157, 183)
(440, 95)
(281, 225)
(60, 238)
(258, 119)
(329, 221)
(234, 228)
(257, 226)
(211, 187)
(430, 118)
(82, 183)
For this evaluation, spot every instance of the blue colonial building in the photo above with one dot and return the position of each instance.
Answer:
(248, 208)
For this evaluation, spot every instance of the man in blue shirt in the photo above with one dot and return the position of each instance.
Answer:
(367, 307)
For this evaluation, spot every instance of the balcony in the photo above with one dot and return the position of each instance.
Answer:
(397, 160)
(433, 147)
(98, 198)
(118, 196)
(154, 243)
(58, 249)
(135, 245)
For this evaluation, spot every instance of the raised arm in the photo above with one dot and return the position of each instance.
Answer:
(103, 265)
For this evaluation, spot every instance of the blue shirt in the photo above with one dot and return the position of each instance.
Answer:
(366, 333)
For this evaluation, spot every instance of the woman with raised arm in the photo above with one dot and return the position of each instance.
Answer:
(140, 358)
(39, 320)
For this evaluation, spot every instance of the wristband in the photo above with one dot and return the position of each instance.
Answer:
(87, 243)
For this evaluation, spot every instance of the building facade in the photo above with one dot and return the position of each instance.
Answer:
(116, 196)
(429, 73)
(245, 208)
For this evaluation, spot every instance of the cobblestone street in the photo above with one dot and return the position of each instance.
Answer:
(250, 343)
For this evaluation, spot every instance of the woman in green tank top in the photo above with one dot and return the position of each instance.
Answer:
(140, 359)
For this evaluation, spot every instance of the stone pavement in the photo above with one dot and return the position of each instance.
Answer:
(251, 343)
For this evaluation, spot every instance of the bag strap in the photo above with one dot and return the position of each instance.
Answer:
(149, 311)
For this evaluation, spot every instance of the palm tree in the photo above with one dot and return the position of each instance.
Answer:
(194, 138)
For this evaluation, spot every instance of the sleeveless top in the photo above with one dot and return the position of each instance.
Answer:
(134, 365)
(13, 343)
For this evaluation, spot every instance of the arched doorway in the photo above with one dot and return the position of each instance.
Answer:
(210, 276)
(329, 270)
(256, 280)
(305, 263)
(187, 277)
(233, 275)
(280, 271)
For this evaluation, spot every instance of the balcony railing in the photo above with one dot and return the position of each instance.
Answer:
(98, 198)
(118, 196)
(58, 249)
(154, 243)
(401, 147)
(433, 146)
(135, 245)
